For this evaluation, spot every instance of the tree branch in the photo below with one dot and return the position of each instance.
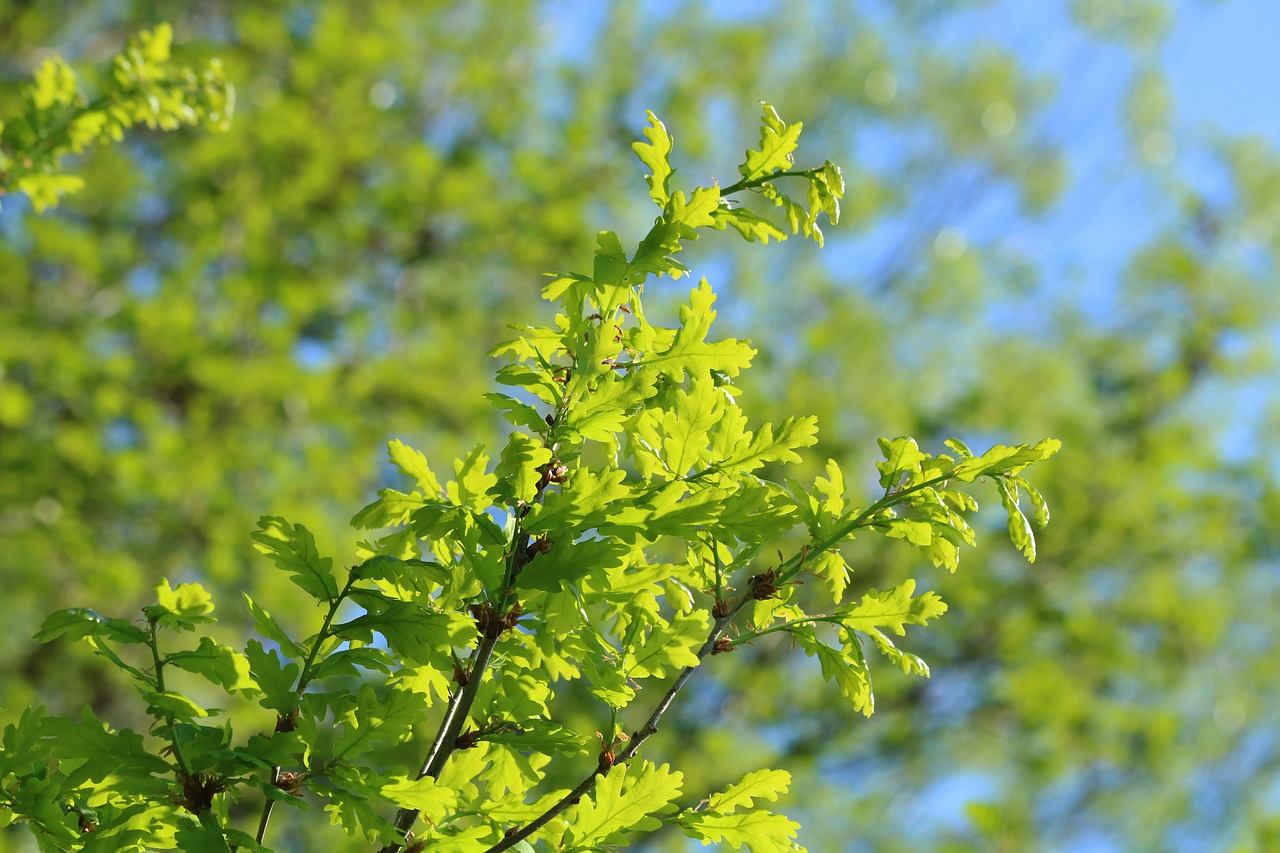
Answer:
(648, 730)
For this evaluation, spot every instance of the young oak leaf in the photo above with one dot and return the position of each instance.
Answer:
(672, 646)
(1019, 528)
(427, 795)
(777, 141)
(413, 464)
(902, 456)
(391, 509)
(413, 631)
(517, 470)
(752, 226)
(388, 719)
(656, 155)
(274, 676)
(892, 609)
(756, 785)
(840, 666)
(580, 503)
(292, 548)
(691, 352)
(220, 664)
(568, 562)
(770, 446)
(624, 801)
(760, 831)
(79, 622)
(909, 664)
(1005, 460)
(472, 481)
(182, 607)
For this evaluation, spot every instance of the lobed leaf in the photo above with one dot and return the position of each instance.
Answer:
(892, 609)
(656, 155)
(756, 785)
(222, 665)
(80, 622)
(293, 549)
(624, 801)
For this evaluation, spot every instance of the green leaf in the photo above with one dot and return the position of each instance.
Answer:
(472, 482)
(275, 678)
(418, 575)
(53, 84)
(905, 661)
(105, 753)
(697, 212)
(425, 794)
(610, 264)
(517, 470)
(902, 456)
(349, 663)
(391, 509)
(580, 503)
(892, 609)
(777, 141)
(171, 704)
(918, 533)
(832, 568)
(542, 737)
(269, 628)
(412, 630)
(182, 607)
(766, 446)
(672, 646)
(377, 719)
(413, 465)
(220, 664)
(79, 622)
(517, 413)
(1019, 528)
(656, 154)
(1005, 460)
(762, 832)
(848, 672)
(1037, 501)
(753, 227)
(292, 548)
(623, 802)
(568, 562)
(690, 351)
(756, 785)
(194, 837)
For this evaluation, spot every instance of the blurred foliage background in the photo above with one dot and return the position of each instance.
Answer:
(1034, 243)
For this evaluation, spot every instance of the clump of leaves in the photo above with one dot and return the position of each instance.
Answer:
(620, 539)
(144, 87)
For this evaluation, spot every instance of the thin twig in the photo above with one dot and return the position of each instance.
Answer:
(648, 730)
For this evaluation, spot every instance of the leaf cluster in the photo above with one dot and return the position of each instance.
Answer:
(144, 87)
(617, 541)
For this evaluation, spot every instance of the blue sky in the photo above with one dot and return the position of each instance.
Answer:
(1224, 60)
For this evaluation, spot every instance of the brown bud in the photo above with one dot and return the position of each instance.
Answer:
(763, 586)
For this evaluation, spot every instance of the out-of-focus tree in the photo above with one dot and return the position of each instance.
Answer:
(221, 326)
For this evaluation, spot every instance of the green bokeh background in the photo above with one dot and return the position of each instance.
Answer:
(224, 326)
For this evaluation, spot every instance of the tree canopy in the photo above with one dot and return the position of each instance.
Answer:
(220, 326)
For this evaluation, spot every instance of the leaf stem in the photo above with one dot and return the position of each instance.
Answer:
(787, 570)
(304, 679)
(159, 664)
(751, 184)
